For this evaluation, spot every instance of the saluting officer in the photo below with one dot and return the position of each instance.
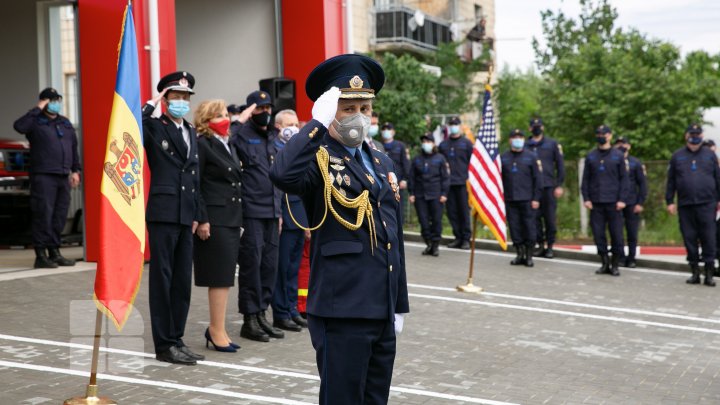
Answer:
(358, 287)
(54, 169)
(694, 175)
(457, 149)
(522, 184)
(605, 189)
(636, 199)
(428, 186)
(550, 153)
(258, 258)
(172, 214)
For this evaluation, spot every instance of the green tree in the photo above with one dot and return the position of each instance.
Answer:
(517, 97)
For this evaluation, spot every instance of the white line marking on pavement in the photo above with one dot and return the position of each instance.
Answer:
(568, 313)
(153, 383)
(246, 368)
(563, 261)
(29, 273)
(578, 304)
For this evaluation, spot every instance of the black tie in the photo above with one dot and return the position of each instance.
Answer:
(183, 145)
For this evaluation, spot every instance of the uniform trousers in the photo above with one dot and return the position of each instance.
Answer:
(459, 212)
(697, 223)
(258, 260)
(285, 296)
(429, 214)
(355, 359)
(546, 223)
(521, 221)
(170, 279)
(632, 227)
(604, 216)
(49, 203)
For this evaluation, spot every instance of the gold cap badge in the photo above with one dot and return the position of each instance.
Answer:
(262, 95)
(356, 82)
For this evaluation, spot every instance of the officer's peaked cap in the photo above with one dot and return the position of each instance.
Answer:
(357, 77)
(177, 81)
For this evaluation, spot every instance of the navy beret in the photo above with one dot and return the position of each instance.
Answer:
(233, 109)
(177, 81)
(356, 76)
(259, 98)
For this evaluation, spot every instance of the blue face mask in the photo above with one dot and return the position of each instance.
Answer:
(427, 147)
(454, 129)
(373, 131)
(54, 107)
(517, 143)
(178, 108)
(387, 134)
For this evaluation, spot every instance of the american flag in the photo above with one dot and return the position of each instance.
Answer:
(485, 188)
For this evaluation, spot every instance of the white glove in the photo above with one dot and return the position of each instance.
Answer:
(326, 106)
(399, 321)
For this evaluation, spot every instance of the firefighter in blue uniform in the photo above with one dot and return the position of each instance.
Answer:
(636, 199)
(259, 246)
(399, 153)
(457, 149)
(604, 190)
(54, 169)
(358, 287)
(550, 153)
(428, 186)
(172, 214)
(694, 175)
(522, 184)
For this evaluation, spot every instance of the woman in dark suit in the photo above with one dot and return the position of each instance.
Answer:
(217, 239)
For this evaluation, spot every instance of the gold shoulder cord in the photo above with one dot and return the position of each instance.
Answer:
(361, 203)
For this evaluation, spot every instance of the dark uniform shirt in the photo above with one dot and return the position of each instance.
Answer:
(53, 143)
(550, 154)
(605, 178)
(638, 183)
(457, 151)
(399, 154)
(694, 176)
(522, 180)
(257, 149)
(429, 177)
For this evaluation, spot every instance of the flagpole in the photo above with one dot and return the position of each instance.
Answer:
(469, 287)
(91, 392)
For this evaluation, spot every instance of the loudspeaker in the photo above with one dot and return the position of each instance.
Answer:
(282, 91)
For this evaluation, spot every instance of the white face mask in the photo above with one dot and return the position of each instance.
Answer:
(353, 129)
(287, 133)
(427, 148)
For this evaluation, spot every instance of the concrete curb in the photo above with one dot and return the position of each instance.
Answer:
(573, 254)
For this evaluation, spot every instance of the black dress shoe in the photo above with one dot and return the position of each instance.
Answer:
(286, 324)
(175, 356)
(300, 321)
(252, 330)
(267, 328)
(186, 351)
(42, 261)
(455, 244)
(630, 263)
(465, 245)
(549, 254)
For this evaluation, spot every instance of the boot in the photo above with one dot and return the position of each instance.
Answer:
(709, 271)
(549, 252)
(252, 330)
(605, 267)
(695, 278)
(42, 261)
(520, 258)
(269, 329)
(465, 245)
(455, 244)
(614, 270)
(56, 257)
(528, 257)
(428, 247)
(434, 248)
(630, 262)
(538, 251)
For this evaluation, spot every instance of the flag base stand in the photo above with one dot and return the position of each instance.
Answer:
(90, 398)
(469, 287)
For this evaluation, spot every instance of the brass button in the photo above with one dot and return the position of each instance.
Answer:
(182, 188)
(233, 199)
(391, 267)
(389, 246)
(378, 204)
(193, 172)
(385, 224)
(232, 184)
(182, 171)
(229, 169)
(171, 153)
(193, 190)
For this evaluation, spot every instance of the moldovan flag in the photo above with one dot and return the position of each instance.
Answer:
(485, 187)
(122, 210)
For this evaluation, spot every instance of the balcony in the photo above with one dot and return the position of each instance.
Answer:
(393, 30)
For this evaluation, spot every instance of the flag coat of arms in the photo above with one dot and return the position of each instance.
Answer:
(485, 187)
(122, 209)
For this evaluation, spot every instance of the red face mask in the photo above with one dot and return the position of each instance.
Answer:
(220, 127)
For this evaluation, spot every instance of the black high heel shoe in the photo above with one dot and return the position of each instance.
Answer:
(226, 349)
(235, 345)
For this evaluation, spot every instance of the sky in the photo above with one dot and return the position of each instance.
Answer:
(689, 24)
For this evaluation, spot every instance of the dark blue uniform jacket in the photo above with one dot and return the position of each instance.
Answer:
(175, 179)
(429, 177)
(638, 183)
(694, 176)
(53, 143)
(550, 154)
(347, 280)
(457, 151)
(399, 154)
(605, 178)
(522, 180)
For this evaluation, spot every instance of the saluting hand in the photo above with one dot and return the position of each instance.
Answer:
(325, 106)
(247, 112)
(203, 231)
(155, 100)
(42, 103)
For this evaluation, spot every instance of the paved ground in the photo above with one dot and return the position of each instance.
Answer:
(554, 334)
